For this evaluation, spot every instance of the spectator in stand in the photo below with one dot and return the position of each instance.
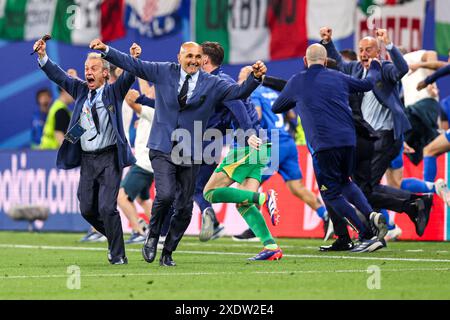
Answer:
(43, 99)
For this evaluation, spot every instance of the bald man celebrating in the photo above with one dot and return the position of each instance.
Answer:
(320, 97)
(384, 111)
(185, 99)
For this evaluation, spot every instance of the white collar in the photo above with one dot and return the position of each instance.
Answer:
(194, 76)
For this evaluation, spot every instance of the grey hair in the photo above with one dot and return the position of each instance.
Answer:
(316, 53)
(95, 55)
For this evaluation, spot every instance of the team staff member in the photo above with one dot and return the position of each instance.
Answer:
(102, 150)
(184, 95)
(383, 110)
(320, 96)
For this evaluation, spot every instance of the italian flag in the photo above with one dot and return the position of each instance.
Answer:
(251, 30)
(442, 16)
(366, 4)
(70, 21)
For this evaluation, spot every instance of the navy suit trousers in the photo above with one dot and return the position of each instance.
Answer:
(97, 193)
(175, 185)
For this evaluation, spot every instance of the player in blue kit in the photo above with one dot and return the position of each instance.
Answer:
(286, 161)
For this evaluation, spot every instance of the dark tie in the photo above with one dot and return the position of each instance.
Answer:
(182, 96)
(94, 111)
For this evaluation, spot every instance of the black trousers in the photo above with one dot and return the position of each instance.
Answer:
(97, 192)
(175, 185)
(372, 160)
(369, 172)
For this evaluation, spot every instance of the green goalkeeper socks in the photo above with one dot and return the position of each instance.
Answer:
(256, 222)
(233, 195)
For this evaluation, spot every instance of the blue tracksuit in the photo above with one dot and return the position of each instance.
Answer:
(320, 97)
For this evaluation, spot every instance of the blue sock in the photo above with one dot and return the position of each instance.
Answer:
(429, 169)
(417, 186)
(201, 202)
(390, 223)
(321, 212)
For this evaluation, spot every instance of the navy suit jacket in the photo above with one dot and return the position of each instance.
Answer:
(209, 91)
(386, 88)
(320, 96)
(69, 155)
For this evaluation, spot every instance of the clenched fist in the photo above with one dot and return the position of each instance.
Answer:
(383, 36)
(41, 45)
(72, 72)
(135, 50)
(97, 44)
(131, 96)
(325, 34)
(259, 69)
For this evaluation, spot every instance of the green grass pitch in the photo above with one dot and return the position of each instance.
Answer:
(36, 265)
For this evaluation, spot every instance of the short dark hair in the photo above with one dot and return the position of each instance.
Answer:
(349, 54)
(214, 51)
(43, 91)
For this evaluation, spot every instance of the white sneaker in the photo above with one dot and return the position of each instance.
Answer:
(393, 234)
(442, 191)
(378, 225)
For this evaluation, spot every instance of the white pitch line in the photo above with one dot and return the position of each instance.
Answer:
(124, 275)
(357, 256)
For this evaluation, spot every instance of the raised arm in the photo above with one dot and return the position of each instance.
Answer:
(150, 71)
(434, 77)
(274, 83)
(140, 106)
(433, 65)
(126, 79)
(438, 74)
(342, 65)
(71, 84)
(285, 100)
(394, 72)
(233, 91)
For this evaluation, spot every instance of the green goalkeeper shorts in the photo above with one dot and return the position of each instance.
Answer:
(245, 162)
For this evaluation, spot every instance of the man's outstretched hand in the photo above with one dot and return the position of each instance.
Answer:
(97, 44)
(41, 45)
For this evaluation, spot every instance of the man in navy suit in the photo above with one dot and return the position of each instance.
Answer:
(384, 112)
(102, 150)
(186, 97)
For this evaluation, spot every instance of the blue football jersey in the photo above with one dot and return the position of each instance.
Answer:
(264, 97)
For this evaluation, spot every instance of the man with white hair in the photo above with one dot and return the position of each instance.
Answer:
(96, 142)
(320, 97)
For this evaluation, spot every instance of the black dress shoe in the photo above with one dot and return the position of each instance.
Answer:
(167, 261)
(123, 260)
(149, 249)
(423, 214)
(338, 245)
